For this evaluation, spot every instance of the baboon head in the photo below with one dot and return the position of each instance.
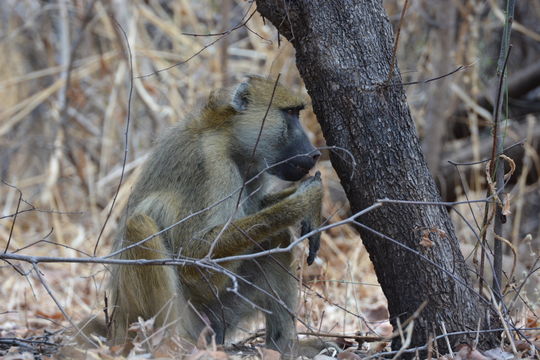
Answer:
(282, 146)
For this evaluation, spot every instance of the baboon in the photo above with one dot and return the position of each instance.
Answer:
(223, 160)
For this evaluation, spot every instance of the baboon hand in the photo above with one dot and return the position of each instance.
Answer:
(311, 188)
(314, 240)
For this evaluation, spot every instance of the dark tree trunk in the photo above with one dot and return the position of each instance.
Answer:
(344, 52)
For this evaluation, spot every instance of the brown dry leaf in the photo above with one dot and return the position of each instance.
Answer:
(219, 355)
(532, 321)
(201, 341)
(163, 352)
(466, 352)
(55, 316)
(377, 347)
(463, 351)
(119, 349)
(342, 343)
(269, 354)
(522, 346)
(426, 241)
(384, 329)
(441, 233)
(348, 355)
(195, 354)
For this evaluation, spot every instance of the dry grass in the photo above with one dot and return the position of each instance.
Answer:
(67, 160)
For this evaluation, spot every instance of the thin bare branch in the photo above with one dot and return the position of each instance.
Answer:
(126, 132)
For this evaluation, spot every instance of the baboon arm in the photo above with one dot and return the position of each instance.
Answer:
(309, 223)
(241, 235)
(273, 198)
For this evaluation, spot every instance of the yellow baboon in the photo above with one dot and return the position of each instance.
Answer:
(223, 160)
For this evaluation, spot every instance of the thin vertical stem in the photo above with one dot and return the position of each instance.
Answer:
(497, 166)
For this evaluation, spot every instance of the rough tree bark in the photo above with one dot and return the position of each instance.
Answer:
(344, 54)
(442, 102)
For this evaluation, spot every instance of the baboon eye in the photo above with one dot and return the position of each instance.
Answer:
(293, 112)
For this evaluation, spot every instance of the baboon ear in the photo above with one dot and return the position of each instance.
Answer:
(240, 97)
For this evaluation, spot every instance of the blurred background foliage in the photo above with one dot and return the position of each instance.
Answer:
(66, 94)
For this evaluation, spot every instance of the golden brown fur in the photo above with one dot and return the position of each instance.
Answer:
(202, 163)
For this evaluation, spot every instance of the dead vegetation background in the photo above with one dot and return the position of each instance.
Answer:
(65, 99)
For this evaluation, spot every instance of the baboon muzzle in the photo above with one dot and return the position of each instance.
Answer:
(297, 166)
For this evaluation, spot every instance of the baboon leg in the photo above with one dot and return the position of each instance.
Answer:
(273, 274)
(280, 324)
(147, 291)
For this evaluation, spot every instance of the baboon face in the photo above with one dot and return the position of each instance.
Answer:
(269, 119)
(295, 153)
